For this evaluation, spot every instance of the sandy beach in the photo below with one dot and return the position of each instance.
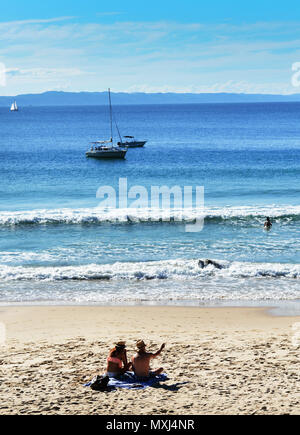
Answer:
(218, 360)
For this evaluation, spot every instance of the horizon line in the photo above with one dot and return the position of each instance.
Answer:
(152, 93)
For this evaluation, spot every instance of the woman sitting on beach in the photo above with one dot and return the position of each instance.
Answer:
(117, 360)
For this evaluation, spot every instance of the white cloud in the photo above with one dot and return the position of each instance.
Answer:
(45, 72)
(157, 56)
(231, 86)
(38, 21)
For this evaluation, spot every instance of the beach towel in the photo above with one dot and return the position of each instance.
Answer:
(130, 381)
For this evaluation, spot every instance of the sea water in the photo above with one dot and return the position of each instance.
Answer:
(58, 245)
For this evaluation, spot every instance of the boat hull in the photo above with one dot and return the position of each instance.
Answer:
(134, 144)
(109, 154)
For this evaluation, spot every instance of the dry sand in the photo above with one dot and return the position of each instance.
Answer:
(219, 360)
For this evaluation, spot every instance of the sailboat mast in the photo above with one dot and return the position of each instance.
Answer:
(118, 131)
(110, 111)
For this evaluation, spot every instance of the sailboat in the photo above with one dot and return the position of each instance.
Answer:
(105, 149)
(14, 107)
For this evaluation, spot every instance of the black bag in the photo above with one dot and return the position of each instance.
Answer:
(99, 383)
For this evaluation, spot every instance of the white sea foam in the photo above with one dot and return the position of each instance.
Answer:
(129, 215)
(179, 269)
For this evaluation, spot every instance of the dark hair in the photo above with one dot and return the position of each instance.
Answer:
(117, 349)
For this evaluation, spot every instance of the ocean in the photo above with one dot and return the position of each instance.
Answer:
(58, 245)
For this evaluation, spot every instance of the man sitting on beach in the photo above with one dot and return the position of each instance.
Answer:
(141, 361)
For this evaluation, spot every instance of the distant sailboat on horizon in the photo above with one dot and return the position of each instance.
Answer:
(14, 107)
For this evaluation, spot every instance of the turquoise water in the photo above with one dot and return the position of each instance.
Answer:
(58, 246)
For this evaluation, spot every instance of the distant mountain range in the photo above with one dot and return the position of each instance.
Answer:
(55, 98)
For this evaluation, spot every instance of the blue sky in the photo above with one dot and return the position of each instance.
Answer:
(157, 46)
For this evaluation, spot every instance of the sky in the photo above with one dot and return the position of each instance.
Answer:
(157, 46)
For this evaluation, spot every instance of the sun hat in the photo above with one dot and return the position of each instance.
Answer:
(140, 344)
(120, 343)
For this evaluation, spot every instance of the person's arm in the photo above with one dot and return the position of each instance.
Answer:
(126, 364)
(124, 357)
(154, 355)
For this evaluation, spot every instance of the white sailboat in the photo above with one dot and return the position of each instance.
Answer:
(105, 149)
(14, 107)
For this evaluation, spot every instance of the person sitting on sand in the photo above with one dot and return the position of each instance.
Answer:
(117, 360)
(141, 361)
(207, 262)
(267, 223)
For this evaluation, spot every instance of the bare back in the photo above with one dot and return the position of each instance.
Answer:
(141, 363)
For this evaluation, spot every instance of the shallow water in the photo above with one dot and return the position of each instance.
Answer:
(57, 245)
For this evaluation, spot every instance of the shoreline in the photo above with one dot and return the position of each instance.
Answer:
(272, 307)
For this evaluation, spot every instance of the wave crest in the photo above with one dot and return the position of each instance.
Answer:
(168, 269)
(97, 216)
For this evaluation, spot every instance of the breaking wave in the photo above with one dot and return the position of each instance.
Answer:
(153, 270)
(97, 216)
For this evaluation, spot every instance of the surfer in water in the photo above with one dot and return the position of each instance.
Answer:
(207, 262)
(267, 224)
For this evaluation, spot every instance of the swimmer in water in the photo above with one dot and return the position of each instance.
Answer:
(267, 223)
